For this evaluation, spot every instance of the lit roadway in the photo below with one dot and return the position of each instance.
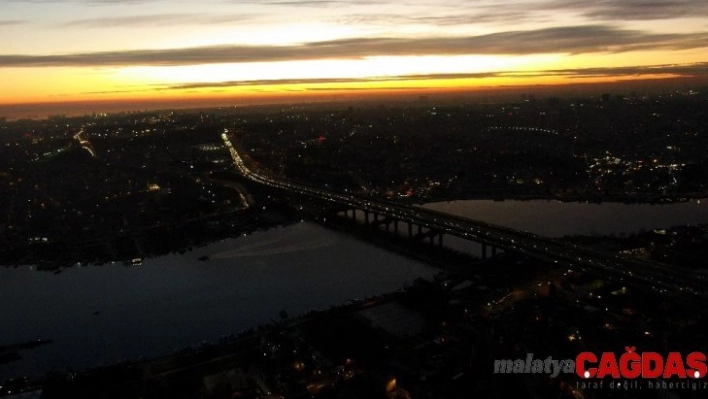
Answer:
(85, 143)
(681, 284)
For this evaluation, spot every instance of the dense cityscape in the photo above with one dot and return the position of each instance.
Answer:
(345, 199)
(126, 189)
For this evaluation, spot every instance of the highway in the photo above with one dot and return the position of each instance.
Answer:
(85, 144)
(679, 284)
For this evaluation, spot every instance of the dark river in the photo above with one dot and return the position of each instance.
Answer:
(556, 218)
(104, 314)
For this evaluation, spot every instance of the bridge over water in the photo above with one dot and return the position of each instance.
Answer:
(683, 285)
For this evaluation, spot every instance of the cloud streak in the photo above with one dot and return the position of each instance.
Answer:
(11, 22)
(632, 9)
(158, 20)
(90, 2)
(491, 16)
(572, 40)
(481, 12)
(313, 3)
(669, 70)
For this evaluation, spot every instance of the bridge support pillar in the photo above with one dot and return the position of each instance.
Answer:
(484, 251)
(440, 240)
(395, 226)
(354, 214)
(494, 251)
(366, 217)
(410, 229)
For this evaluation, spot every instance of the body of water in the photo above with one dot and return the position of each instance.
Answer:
(556, 219)
(105, 314)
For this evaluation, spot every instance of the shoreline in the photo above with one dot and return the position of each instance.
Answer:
(624, 199)
(53, 265)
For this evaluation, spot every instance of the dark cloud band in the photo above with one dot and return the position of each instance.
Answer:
(573, 40)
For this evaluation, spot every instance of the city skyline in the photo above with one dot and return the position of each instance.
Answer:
(153, 50)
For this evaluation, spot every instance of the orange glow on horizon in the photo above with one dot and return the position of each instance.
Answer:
(263, 91)
(259, 81)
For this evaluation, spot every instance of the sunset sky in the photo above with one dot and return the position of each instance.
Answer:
(97, 50)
